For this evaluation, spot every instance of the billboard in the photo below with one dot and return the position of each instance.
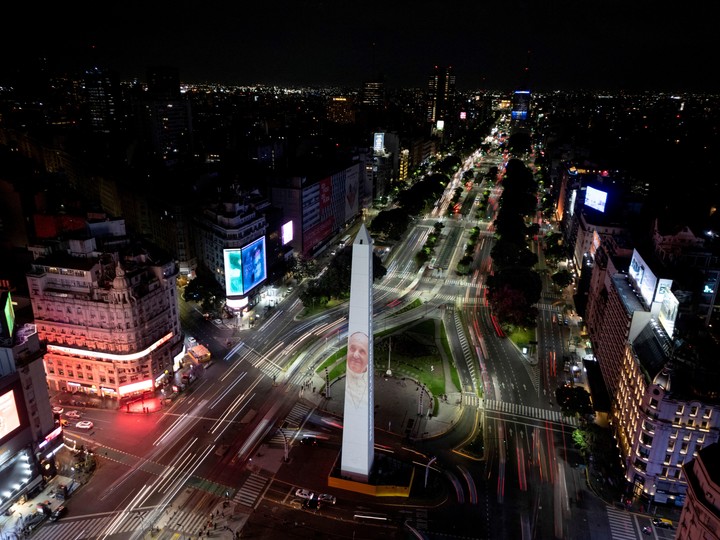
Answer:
(9, 413)
(286, 233)
(254, 266)
(642, 277)
(595, 199)
(668, 312)
(378, 143)
(233, 271)
(245, 268)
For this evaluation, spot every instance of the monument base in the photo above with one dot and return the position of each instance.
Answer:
(389, 477)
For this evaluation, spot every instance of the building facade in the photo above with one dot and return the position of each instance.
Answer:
(109, 320)
(700, 518)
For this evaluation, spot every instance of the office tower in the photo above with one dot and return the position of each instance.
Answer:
(103, 98)
(165, 119)
(440, 96)
(358, 443)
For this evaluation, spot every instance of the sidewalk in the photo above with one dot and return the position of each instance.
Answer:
(401, 407)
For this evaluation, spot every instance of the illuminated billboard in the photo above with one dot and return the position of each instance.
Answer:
(642, 278)
(245, 268)
(378, 143)
(9, 414)
(286, 233)
(233, 271)
(668, 312)
(8, 325)
(595, 199)
(254, 267)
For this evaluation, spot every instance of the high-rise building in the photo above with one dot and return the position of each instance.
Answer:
(440, 96)
(103, 99)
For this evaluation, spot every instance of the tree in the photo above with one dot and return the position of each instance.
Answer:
(562, 279)
(508, 254)
(574, 400)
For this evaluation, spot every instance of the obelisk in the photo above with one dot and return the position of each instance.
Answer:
(358, 441)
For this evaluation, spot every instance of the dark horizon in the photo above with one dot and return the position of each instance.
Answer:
(567, 46)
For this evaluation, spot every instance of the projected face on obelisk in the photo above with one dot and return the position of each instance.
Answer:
(356, 385)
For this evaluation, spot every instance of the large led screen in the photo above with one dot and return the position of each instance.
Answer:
(643, 278)
(233, 271)
(287, 233)
(254, 269)
(668, 312)
(595, 199)
(9, 414)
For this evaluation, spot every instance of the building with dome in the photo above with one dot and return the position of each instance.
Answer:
(109, 318)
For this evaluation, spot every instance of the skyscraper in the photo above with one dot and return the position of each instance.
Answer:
(440, 95)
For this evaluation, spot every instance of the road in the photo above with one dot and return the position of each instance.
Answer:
(171, 469)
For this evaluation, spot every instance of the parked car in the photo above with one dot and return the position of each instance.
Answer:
(84, 424)
(58, 410)
(327, 498)
(58, 513)
(304, 493)
(72, 414)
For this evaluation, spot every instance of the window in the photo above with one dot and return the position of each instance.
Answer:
(668, 457)
(693, 410)
(653, 403)
(680, 409)
(664, 471)
(706, 413)
(683, 448)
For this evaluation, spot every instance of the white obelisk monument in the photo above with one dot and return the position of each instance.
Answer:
(358, 442)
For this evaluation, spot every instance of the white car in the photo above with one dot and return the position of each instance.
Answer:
(84, 424)
(304, 493)
(58, 410)
(72, 414)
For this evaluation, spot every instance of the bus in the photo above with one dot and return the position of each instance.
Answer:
(345, 241)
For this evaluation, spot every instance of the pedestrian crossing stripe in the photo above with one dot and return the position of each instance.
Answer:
(250, 491)
(529, 412)
(622, 524)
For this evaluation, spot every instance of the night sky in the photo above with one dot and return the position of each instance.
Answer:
(636, 45)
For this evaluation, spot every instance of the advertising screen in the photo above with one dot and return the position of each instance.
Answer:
(668, 312)
(9, 415)
(254, 269)
(643, 278)
(595, 199)
(286, 232)
(233, 271)
(9, 315)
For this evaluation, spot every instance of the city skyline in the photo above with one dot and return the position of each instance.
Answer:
(314, 43)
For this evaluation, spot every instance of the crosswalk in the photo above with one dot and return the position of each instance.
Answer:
(530, 412)
(292, 422)
(622, 524)
(251, 490)
(95, 527)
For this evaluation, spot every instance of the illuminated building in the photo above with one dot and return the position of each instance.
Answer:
(700, 518)
(661, 414)
(232, 223)
(109, 319)
(29, 436)
(321, 205)
(440, 97)
(664, 407)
